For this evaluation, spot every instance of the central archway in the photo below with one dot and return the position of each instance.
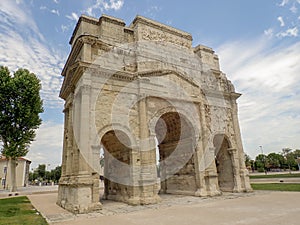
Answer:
(176, 143)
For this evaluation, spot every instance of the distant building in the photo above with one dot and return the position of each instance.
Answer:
(22, 171)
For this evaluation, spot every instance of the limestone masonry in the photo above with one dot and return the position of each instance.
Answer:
(161, 110)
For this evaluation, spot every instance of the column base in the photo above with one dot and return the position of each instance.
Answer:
(246, 187)
(201, 192)
(78, 194)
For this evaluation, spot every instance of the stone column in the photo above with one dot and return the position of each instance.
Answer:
(243, 173)
(84, 131)
(236, 169)
(135, 175)
(148, 174)
(148, 178)
(199, 170)
(200, 157)
(65, 143)
(210, 173)
(69, 141)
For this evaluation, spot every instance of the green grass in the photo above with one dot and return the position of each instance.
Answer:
(19, 211)
(263, 176)
(276, 187)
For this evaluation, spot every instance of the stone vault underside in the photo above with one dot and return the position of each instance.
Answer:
(161, 110)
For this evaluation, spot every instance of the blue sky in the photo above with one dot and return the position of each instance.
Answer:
(257, 42)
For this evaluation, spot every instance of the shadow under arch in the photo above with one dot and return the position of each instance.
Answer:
(224, 163)
(117, 169)
(176, 146)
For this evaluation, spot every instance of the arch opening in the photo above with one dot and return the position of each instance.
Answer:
(223, 163)
(117, 159)
(176, 142)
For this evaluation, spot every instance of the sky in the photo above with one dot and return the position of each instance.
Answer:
(257, 42)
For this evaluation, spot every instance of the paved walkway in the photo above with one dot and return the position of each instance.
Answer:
(29, 191)
(244, 208)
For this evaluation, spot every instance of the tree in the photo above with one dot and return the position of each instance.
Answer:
(55, 174)
(286, 152)
(296, 153)
(260, 162)
(275, 160)
(247, 160)
(20, 106)
(41, 171)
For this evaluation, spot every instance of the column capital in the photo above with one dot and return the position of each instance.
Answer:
(85, 89)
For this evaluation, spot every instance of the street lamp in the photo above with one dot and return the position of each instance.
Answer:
(262, 152)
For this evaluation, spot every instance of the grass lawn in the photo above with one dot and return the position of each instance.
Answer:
(263, 176)
(276, 187)
(18, 210)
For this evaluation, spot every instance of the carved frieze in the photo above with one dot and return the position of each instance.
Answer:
(155, 35)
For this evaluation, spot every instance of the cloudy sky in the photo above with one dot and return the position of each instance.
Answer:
(257, 42)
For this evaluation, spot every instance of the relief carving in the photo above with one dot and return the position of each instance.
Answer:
(153, 35)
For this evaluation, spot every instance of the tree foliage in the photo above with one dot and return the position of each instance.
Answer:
(275, 160)
(42, 175)
(260, 161)
(286, 159)
(20, 106)
(248, 160)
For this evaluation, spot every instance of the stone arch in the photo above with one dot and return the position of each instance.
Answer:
(119, 127)
(117, 169)
(176, 138)
(194, 122)
(224, 162)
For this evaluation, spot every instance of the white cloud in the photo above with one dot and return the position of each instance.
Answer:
(280, 19)
(64, 28)
(22, 46)
(114, 4)
(269, 32)
(292, 32)
(16, 12)
(73, 16)
(288, 19)
(152, 11)
(284, 2)
(294, 9)
(104, 5)
(56, 1)
(269, 80)
(47, 148)
(55, 12)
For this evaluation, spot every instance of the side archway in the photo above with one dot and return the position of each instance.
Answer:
(224, 163)
(117, 169)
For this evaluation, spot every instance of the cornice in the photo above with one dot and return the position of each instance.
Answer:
(160, 26)
(166, 72)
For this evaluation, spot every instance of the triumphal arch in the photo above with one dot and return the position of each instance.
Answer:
(161, 110)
